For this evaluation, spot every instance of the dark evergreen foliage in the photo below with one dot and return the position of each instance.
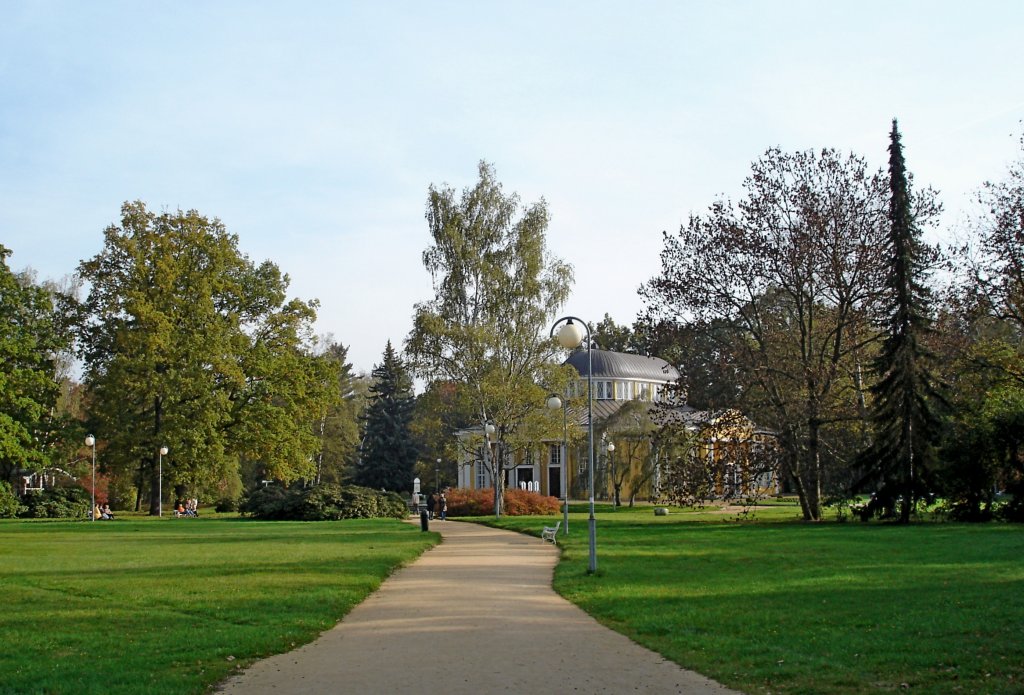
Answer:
(388, 451)
(323, 503)
(70, 502)
(898, 463)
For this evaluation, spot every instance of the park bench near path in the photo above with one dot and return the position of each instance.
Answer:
(475, 614)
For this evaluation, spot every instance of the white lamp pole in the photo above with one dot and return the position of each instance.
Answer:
(91, 441)
(571, 335)
(160, 482)
(611, 465)
(489, 432)
(554, 403)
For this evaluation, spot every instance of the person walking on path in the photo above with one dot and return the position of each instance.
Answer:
(475, 614)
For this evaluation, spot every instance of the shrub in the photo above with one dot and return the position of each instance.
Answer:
(273, 502)
(467, 502)
(525, 503)
(323, 503)
(57, 503)
(10, 505)
(226, 504)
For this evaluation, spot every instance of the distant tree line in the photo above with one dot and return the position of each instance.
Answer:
(813, 305)
(884, 367)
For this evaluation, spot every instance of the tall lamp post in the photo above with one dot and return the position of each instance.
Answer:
(489, 435)
(160, 482)
(91, 441)
(554, 403)
(437, 476)
(611, 466)
(572, 335)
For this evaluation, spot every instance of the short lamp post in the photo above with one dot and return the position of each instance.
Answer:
(572, 335)
(554, 403)
(160, 482)
(91, 441)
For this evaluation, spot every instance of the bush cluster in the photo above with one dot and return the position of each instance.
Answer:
(10, 505)
(323, 503)
(466, 502)
(57, 503)
(226, 504)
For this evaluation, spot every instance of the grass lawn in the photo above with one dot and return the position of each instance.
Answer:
(174, 605)
(785, 607)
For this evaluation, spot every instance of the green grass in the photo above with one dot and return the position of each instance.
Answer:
(173, 606)
(785, 607)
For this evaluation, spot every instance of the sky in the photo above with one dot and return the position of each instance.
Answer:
(313, 130)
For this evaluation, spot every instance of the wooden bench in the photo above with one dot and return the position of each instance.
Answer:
(550, 532)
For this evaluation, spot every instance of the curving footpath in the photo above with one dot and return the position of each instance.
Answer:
(474, 615)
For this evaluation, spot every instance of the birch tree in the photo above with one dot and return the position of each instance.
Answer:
(496, 291)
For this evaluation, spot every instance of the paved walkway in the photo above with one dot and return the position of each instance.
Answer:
(472, 616)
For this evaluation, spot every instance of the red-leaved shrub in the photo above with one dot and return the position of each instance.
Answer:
(466, 502)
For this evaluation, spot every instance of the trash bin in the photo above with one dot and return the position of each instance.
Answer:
(424, 522)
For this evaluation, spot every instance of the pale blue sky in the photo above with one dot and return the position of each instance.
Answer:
(314, 129)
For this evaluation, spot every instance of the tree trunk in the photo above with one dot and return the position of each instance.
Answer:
(140, 482)
(813, 468)
(155, 487)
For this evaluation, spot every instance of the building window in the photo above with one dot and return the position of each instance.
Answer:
(623, 390)
(643, 392)
(554, 454)
(603, 390)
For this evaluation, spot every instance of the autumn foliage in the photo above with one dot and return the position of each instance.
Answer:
(467, 502)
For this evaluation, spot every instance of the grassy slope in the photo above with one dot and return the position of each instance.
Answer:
(160, 605)
(819, 608)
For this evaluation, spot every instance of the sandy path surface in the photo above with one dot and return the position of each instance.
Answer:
(474, 615)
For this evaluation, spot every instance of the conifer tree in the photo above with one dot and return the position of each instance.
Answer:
(904, 409)
(388, 452)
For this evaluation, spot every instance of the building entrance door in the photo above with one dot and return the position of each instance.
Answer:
(555, 482)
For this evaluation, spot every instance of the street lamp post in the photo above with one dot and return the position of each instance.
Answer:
(554, 403)
(91, 441)
(611, 467)
(160, 482)
(437, 476)
(489, 435)
(571, 335)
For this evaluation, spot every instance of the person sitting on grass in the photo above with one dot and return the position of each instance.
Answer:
(105, 513)
(179, 511)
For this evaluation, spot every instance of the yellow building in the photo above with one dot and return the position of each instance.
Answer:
(631, 410)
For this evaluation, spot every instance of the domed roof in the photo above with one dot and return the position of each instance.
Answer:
(622, 365)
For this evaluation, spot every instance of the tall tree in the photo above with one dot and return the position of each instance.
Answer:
(611, 336)
(388, 452)
(984, 447)
(442, 409)
(784, 287)
(996, 262)
(188, 344)
(496, 289)
(903, 413)
(339, 428)
(31, 343)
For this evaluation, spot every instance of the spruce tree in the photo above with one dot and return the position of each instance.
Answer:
(904, 409)
(388, 452)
